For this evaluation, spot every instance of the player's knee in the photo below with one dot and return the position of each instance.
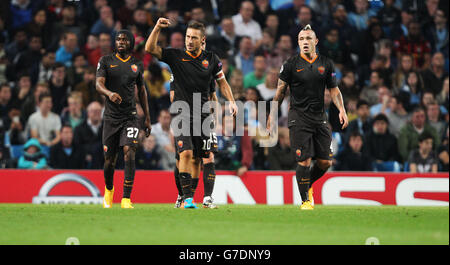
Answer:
(129, 153)
(109, 162)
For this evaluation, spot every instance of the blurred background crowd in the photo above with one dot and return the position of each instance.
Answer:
(391, 61)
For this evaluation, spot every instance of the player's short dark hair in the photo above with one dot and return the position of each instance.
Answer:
(197, 25)
(361, 102)
(425, 136)
(44, 95)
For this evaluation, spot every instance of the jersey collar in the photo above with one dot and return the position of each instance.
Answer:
(194, 56)
(308, 60)
(123, 60)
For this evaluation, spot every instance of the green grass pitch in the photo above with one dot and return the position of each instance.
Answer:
(161, 224)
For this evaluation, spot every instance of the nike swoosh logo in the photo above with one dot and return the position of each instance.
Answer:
(113, 65)
(185, 60)
(299, 70)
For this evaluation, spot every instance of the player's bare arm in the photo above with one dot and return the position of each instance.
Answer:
(151, 45)
(142, 94)
(280, 94)
(213, 97)
(101, 88)
(336, 96)
(225, 89)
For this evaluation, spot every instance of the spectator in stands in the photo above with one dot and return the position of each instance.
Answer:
(245, 57)
(443, 153)
(434, 117)
(269, 87)
(244, 25)
(437, 33)
(19, 44)
(370, 92)
(280, 156)
(125, 13)
(408, 139)
(433, 76)
(265, 45)
(39, 26)
(384, 95)
(382, 146)
(16, 132)
(404, 67)
(21, 13)
(31, 104)
(261, 11)
(69, 23)
(414, 44)
(389, 16)
(334, 49)
(281, 53)
(89, 135)
(237, 85)
(443, 96)
(141, 21)
(234, 152)
(362, 124)
(176, 40)
(424, 158)
(147, 154)
(227, 31)
(105, 23)
(352, 157)
(258, 76)
(87, 87)
(76, 71)
(198, 14)
(5, 102)
(163, 137)
(68, 48)
(413, 87)
(104, 48)
(339, 20)
(398, 116)
(29, 57)
(64, 154)
(272, 25)
(22, 90)
(43, 71)
(59, 87)
(45, 125)
(74, 115)
(359, 19)
(33, 158)
(348, 86)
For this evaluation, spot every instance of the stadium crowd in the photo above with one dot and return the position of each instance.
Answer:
(391, 61)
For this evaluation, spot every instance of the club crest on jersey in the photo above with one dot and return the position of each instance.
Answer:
(321, 69)
(105, 148)
(134, 68)
(205, 63)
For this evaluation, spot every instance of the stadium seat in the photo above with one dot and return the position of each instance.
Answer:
(16, 151)
(392, 166)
